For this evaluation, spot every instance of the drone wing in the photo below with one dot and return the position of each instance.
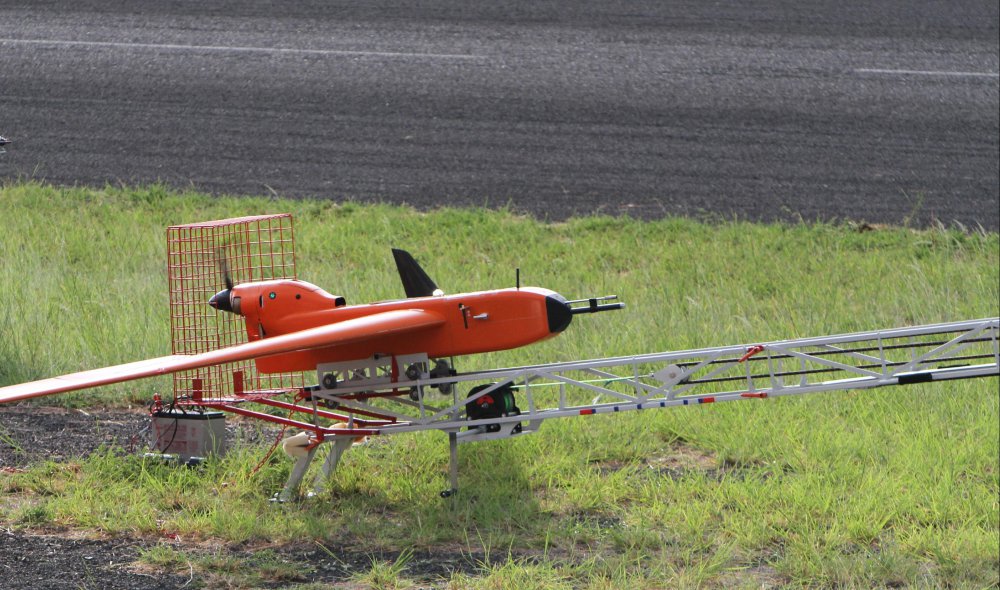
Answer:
(341, 333)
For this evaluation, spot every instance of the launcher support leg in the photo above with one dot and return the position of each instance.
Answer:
(452, 465)
(340, 445)
(291, 488)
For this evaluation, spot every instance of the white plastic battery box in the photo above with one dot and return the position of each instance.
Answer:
(189, 434)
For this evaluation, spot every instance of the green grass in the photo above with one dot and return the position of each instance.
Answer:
(857, 489)
(218, 569)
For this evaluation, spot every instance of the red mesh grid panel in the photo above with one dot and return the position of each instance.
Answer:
(256, 248)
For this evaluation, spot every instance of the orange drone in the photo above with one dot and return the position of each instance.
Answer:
(293, 326)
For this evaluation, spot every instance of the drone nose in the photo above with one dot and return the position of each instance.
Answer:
(222, 301)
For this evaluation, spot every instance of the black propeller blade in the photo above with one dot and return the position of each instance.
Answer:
(416, 283)
(223, 300)
(224, 267)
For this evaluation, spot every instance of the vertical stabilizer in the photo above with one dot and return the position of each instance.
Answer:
(416, 283)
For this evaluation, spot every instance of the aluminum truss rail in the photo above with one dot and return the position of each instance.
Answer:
(789, 367)
(379, 398)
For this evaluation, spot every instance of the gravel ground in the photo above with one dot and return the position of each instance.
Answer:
(49, 561)
(30, 433)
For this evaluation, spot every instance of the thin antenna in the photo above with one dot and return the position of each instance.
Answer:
(517, 278)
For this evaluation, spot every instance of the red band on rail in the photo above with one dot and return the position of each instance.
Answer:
(752, 351)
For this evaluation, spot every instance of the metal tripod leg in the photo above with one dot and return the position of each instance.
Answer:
(452, 465)
(340, 445)
(291, 489)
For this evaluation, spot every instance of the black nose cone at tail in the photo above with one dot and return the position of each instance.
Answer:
(558, 312)
(561, 311)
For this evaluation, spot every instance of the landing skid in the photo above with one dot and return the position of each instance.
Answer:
(291, 490)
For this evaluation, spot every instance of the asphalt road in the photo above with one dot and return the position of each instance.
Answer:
(884, 111)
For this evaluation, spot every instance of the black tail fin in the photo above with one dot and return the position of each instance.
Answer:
(416, 283)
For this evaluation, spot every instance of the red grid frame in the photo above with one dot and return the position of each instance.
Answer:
(257, 248)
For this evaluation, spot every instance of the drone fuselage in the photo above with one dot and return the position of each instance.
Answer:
(470, 323)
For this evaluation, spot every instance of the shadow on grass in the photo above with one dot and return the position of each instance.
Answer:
(494, 502)
(493, 483)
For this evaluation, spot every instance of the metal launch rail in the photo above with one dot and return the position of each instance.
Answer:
(391, 395)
